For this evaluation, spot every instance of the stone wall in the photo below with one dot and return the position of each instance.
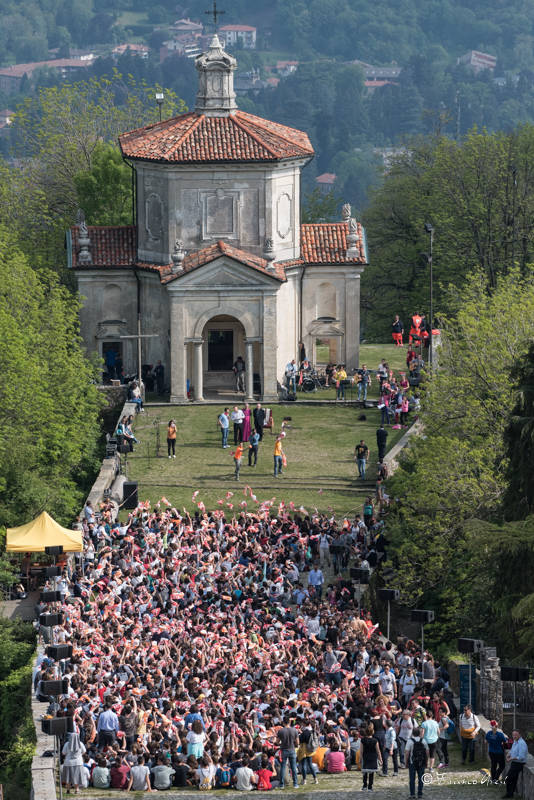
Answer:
(43, 783)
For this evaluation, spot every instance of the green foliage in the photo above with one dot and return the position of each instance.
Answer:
(48, 399)
(17, 733)
(471, 574)
(320, 207)
(479, 196)
(105, 191)
(519, 441)
(68, 137)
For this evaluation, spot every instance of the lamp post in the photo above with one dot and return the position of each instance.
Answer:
(422, 616)
(389, 595)
(160, 97)
(430, 230)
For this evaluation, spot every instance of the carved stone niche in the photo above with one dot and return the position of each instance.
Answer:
(283, 215)
(220, 210)
(154, 217)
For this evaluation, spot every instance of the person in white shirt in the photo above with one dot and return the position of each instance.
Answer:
(407, 684)
(388, 684)
(324, 548)
(244, 778)
(139, 777)
(238, 417)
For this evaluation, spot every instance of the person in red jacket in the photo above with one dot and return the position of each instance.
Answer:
(415, 330)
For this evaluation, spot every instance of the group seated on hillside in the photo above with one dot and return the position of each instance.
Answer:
(197, 641)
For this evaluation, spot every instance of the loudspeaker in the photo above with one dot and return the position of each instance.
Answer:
(56, 550)
(59, 651)
(58, 726)
(470, 645)
(389, 594)
(515, 674)
(360, 575)
(53, 572)
(55, 687)
(422, 616)
(49, 620)
(50, 596)
(129, 494)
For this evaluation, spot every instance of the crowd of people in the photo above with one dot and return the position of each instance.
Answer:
(211, 651)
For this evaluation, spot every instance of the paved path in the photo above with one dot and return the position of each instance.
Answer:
(20, 609)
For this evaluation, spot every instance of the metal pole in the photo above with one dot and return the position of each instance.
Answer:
(422, 645)
(514, 705)
(469, 673)
(430, 359)
(389, 606)
(139, 348)
(59, 768)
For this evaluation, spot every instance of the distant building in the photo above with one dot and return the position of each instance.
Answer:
(372, 85)
(140, 50)
(245, 35)
(388, 73)
(11, 77)
(478, 61)
(389, 155)
(182, 26)
(326, 182)
(5, 117)
(285, 68)
(185, 46)
(249, 82)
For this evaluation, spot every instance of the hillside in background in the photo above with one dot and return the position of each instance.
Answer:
(365, 76)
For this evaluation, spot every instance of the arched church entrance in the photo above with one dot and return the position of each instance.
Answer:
(222, 342)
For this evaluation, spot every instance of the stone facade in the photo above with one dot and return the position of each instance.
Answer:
(216, 266)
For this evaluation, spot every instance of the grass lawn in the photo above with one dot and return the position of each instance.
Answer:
(128, 18)
(319, 446)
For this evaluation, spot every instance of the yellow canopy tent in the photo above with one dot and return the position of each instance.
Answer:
(40, 533)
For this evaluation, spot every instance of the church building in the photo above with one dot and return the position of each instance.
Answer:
(217, 264)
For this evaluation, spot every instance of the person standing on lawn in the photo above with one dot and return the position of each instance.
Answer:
(238, 455)
(224, 424)
(278, 456)
(361, 454)
(171, 438)
(253, 445)
(381, 441)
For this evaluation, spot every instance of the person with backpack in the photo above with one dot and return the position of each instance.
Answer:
(205, 774)
(309, 742)
(224, 775)
(416, 760)
(447, 729)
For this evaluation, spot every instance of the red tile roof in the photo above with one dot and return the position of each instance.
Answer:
(326, 177)
(201, 257)
(115, 246)
(111, 245)
(193, 137)
(326, 243)
(237, 28)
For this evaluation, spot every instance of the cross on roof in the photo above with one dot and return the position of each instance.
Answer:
(215, 12)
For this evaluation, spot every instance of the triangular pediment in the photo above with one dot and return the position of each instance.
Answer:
(223, 272)
(222, 276)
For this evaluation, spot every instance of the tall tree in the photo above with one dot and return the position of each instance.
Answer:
(49, 403)
(519, 441)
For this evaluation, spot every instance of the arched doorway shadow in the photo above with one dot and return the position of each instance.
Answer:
(223, 343)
